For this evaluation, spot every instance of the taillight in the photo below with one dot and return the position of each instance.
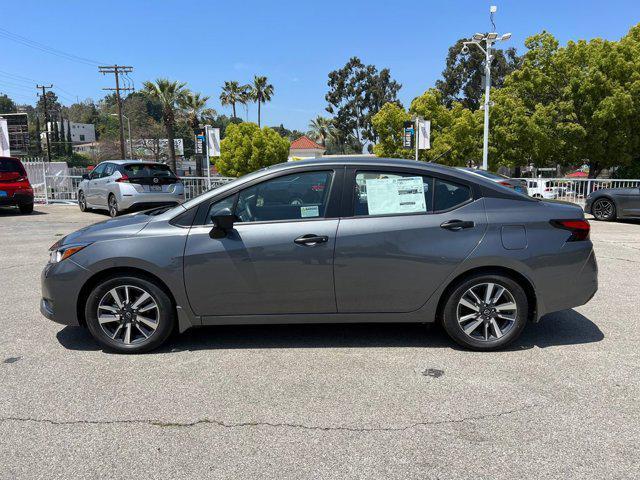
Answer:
(123, 179)
(579, 228)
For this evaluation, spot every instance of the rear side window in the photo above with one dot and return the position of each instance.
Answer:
(9, 165)
(448, 195)
(392, 193)
(290, 197)
(143, 170)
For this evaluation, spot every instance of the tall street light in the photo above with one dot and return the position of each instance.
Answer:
(129, 127)
(489, 39)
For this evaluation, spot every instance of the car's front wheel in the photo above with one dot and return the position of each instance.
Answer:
(486, 312)
(604, 209)
(129, 314)
(82, 201)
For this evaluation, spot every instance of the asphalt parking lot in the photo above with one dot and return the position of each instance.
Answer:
(324, 401)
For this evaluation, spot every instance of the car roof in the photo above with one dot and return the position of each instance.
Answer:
(128, 162)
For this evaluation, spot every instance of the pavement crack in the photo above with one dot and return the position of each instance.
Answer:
(250, 424)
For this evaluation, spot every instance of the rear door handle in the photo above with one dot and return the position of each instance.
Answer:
(311, 239)
(456, 225)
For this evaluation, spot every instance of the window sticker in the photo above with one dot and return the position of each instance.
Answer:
(309, 211)
(395, 195)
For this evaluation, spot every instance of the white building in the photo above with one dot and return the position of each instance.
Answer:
(80, 132)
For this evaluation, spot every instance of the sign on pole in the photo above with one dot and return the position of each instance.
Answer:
(213, 141)
(424, 134)
(408, 135)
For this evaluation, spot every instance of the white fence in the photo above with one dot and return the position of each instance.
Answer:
(574, 190)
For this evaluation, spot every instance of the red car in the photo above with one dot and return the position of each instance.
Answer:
(15, 188)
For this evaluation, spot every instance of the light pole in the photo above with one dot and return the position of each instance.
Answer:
(489, 39)
(129, 127)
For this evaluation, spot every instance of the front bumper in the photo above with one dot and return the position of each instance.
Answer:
(61, 284)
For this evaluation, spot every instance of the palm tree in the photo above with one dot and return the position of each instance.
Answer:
(261, 92)
(232, 93)
(321, 128)
(244, 99)
(170, 95)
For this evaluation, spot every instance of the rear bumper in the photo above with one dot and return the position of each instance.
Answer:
(16, 198)
(149, 200)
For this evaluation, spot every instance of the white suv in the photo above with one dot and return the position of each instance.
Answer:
(540, 188)
(117, 185)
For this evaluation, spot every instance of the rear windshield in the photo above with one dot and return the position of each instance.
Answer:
(9, 165)
(140, 170)
(493, 176)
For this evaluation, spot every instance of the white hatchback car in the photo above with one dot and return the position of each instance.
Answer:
(118, 185)
(540, 188)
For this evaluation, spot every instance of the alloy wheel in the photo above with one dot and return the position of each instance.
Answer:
(113, 206)
(603, 209)
(128, 314)
(82, 202)
(487, 311)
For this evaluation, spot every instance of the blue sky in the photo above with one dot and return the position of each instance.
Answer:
(295, 44)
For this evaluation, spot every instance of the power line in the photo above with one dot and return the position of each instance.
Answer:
(44, 48)
(118, 70)
(30, 81)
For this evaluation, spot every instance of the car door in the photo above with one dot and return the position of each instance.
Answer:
(102, 190)
(628, 200)
(278, 259)
(91, 193)
(397, 248)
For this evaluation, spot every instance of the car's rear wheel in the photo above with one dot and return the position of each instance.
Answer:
(486, 312)
(114, 209)
(26, 208)
(129, 314)
(604, 209)
(82, 201)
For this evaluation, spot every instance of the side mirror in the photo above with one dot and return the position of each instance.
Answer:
(85, 176)
(222, 224)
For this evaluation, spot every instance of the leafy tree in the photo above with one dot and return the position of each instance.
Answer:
(82, 112)
(62, 141)
(462, 79)
(286, 133)
(38, 144)
(7, 105)
(69, 141)
(233, 93)
(169, 93)
(356, 93)
(261, 92)
(193, 105)
(247, 148)
(53, 106)
(320, 128)
(388, 124)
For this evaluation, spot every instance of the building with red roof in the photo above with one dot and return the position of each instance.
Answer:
(303, 147)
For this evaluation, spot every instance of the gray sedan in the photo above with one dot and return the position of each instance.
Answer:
(611, 203)
(322, 241)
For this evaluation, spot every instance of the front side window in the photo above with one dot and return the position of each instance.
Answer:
(392, 193)
(448, 195)
(290, 197)
(108, 170)
(97, 172)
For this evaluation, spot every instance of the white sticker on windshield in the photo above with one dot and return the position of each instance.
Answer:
(395, 195)
(309, 211)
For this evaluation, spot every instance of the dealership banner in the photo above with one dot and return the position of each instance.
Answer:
(5, 151)
(213, 141)
(424, 134)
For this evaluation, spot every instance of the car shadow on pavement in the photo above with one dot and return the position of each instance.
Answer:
(562, 328)
(14, 212)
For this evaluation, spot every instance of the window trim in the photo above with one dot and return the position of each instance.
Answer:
(332, 210)
(349, 196)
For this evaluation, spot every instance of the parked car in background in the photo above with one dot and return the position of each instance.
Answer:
(15, 189)
(300, 243)
(119, 185)
(541, 188)
(609, 204)
(513, 183)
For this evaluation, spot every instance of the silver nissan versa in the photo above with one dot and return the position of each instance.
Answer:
(328, 240)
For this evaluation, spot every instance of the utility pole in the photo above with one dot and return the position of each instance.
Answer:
(118, 70)
(46, 117)
(489, 39)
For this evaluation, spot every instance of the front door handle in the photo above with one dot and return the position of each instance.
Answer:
(311, 239)
(456, 225)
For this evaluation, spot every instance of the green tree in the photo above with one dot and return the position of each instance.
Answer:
(169, 93)
(69, 141)
(462, 79)
(356, 93)
(320, 129)
(247, 148)
(194, 106)
(38, 144)
(62, 140)
(53, 106)
(389, 124)
(261, 92)
(7, 105)
(233, 93)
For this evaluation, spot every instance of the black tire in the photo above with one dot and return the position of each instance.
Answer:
(166, 316)
(604, 209)
(537, 195)
(82, 202)
(26, 208)
(112, 205)
(451, 311)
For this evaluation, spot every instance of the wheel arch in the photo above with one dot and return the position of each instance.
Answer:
(90, 284)
(518, 277)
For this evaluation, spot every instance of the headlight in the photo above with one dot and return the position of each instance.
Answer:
(59, 253)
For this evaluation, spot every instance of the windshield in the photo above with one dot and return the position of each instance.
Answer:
(138, 170)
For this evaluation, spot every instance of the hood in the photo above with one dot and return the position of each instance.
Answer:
(119, 227)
